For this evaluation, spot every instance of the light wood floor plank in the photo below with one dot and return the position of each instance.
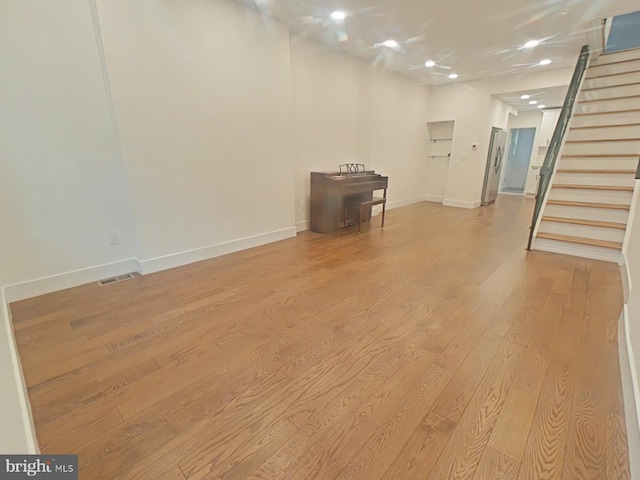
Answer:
(422, 450)
(436, 347)
(510, 434)
(496, 466)
(545, 452)
(464, 450)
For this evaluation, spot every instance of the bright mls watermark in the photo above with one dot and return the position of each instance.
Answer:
(51, 467)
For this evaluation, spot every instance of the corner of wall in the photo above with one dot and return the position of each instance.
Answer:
(630, 391)
(26, 417)
(53, 283)
(303, 226)
(448, 202)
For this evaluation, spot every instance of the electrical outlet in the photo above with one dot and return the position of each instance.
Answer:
(113, 238)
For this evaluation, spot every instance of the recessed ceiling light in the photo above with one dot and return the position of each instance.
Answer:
(525, 97)
(391, 44)
(338, 15)
(453, 76)
(533, 102)
(546, 61)
(541, 106)
(532, 44)
(429, 63)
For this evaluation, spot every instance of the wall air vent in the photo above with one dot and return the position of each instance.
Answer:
(116, 279)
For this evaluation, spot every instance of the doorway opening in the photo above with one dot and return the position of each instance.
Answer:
(518, 159)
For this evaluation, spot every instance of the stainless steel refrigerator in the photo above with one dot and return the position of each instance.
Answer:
(494, 165)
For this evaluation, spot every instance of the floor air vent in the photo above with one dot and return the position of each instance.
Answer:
(116, 279)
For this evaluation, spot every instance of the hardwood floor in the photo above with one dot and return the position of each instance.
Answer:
(435, 348)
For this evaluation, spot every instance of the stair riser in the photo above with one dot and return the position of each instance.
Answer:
(586, 251)
(612, 179)
(613, 68)
(609, 106)
(616, 80)
(602, 148)
(624, 91)
(605, 133)
(616, 57)
(606, 119)
(598, 196)
(587, 213)
(583, 231)
(613, 162)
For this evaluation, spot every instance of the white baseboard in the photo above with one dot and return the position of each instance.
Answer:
(512, 193)
(54, 283)
(404, 203)
(41, 286)
(635, 201)
(19, 386)
(460, 204)
(303, 226)
(625, 274)
(630, 392)
(434, 198)
(157, 264)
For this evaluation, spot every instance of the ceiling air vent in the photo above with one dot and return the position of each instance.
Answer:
(116, 279)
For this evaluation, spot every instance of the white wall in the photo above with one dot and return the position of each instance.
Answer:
(330, 94)
(469, 104)
(526, 119)
(16, 434)
(202, 95)
(399, 135)
(499, 113)
(344, 110)
(475, 112)
(631, 272)
(62, 183)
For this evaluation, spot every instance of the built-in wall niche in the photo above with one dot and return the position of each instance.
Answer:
(440, 138)
(439, 153)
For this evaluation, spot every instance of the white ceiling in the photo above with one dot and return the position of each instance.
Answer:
(475, 38)
(549, 97)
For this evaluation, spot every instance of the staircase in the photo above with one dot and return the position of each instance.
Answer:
(587, 206)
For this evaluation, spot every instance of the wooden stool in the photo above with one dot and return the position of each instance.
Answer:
(367, 204)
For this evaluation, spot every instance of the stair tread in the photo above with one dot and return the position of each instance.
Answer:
(581, 221)
(612, 74)
(595, 65)
(601, 140)
(600, 170)
(617, 125)
(606, 113)
(631, 53)
(609, 86)
(571, 203)
(601, 155)
(583, 241)
(593, 187)
(626, 97)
